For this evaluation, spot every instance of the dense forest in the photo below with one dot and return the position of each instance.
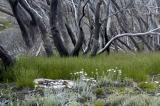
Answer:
(56, 38)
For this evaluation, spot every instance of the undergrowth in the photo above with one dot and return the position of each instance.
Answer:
(139, 67)
(86, 91)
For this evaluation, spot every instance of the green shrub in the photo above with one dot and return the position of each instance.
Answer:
(148, 86)
(99, 102)
(100, 91)
(24, 78)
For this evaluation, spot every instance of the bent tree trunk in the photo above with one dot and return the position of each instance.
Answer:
(32, 23)
(152, 32)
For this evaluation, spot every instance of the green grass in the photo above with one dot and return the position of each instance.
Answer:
(138, 67)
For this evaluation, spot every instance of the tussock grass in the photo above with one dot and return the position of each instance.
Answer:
(138, 67)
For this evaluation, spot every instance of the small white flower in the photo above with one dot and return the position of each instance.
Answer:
(145, 82)
(71, 73)
(156, 82)
(109, 70)
(85, 74)
(119, 71)
(91, 78)
(75, 73)
(81, 72)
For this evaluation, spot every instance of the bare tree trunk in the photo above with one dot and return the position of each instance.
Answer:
(20, 13)
(81, 37)
(62, 28)
(40, 23)
(123, 43)
(31, 24)
(106, 41)
(55, 33)
(97, 30)
(79, 43)
(71, 34)
(158, 4)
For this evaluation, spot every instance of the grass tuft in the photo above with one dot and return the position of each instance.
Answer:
(138, 67)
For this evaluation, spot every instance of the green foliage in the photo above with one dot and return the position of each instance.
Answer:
(148, 86)
(100, 91)
(114, 74)
(137, 67)
(83, 94)
(25, 77)
(99, 102)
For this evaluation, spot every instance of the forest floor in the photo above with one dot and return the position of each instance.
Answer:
(114, 80)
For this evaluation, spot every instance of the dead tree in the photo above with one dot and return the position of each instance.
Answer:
(105, 19)
(31, 23)
(55, 32)
(56, 35)
(97, 29)
(152, 32)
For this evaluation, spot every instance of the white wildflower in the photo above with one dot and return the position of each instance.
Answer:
(112, 69)
(81, 72)
(91, 78)
(109, 70)
(119, 71)
(71, 73)
(156, 82)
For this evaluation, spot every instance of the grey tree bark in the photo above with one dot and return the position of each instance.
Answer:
(31, 23)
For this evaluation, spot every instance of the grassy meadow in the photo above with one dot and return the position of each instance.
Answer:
(139, 67)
